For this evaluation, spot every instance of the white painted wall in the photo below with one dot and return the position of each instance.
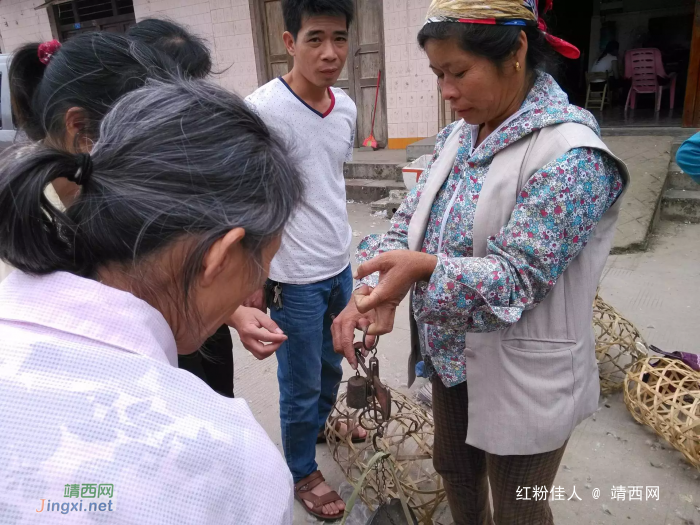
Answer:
(21, 24)
(224, 24)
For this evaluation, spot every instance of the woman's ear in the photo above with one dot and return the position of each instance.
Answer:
(521, 53)
(76, 137)
(222, 254)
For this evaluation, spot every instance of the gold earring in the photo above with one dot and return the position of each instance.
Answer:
(517, 66)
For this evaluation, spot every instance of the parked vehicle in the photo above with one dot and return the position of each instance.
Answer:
(7, 128)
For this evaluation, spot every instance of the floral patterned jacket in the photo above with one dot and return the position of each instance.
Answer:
(558, 208)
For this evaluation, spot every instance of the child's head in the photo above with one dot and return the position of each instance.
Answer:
(183, 200)
(317, 37)
(189, 51)
(63, 98)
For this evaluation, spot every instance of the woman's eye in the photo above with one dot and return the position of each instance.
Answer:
(460, 75)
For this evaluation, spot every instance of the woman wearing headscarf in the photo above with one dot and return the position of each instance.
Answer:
(503, 241)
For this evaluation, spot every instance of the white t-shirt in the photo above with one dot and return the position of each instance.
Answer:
(604, 65)
(98, 421)
(316, 242)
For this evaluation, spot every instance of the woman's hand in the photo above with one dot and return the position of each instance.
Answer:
(344, 326)
(257, 300)
(398, 271)
(259, 334)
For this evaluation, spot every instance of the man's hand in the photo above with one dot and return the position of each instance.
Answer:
(257, 300)
(398, 271)
(344, 326)
(259, 334)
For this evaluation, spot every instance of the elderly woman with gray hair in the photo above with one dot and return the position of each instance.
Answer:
(182, 204)
(503, 241)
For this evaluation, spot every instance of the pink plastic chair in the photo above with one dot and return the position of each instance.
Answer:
(644, 66)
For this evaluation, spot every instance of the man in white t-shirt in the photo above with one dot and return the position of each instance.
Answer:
(310, 277)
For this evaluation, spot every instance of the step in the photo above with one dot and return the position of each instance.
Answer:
(370, 190)
(420, 148)
(681, 206)
(642, 131)
(426, 146)
(389, 204)
(374, 170)
(677, 141)
(678, 180)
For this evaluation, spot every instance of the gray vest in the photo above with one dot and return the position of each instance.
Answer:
(530, 384)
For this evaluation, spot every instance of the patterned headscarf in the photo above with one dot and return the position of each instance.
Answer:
(498, 12)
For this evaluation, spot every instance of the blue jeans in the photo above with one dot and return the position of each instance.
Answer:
(309, 371)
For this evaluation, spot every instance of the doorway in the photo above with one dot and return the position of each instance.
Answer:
(359, 76)
(658, 24)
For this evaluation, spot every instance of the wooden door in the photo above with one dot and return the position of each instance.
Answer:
(359, 76)
(277, 61)
(691, 109)
(345, 80)
(367, 58)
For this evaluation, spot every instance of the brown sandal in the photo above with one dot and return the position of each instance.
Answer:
(321, 438)
(302, 493)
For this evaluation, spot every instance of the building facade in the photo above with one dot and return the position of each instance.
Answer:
(245, 38)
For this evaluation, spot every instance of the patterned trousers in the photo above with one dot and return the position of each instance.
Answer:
(467, 471)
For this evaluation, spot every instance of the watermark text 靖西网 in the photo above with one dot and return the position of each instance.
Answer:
(81, 491)
(619, 493)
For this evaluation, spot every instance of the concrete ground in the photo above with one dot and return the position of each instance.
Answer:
(659, 291)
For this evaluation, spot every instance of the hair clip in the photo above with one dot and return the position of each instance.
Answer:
(48, 50)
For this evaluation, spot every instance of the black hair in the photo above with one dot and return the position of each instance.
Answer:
(188, 50)
(295, 11)
(494, 42)
(90, 71)
(611, 48)
(176, 160)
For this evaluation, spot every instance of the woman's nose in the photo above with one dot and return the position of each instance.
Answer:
(449, 91)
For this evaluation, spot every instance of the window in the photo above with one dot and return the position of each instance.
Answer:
(79, 16)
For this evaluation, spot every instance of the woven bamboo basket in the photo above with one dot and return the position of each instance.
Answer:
(408, 437)
(665, 395)
(618, 345)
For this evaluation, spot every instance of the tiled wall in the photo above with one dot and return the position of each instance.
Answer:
(225, 25)
(20, 24)
(412, 103)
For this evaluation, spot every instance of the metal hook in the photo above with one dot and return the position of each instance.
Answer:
(379, 434)
(364, 341)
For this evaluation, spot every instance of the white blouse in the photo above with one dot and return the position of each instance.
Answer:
(95, 418)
